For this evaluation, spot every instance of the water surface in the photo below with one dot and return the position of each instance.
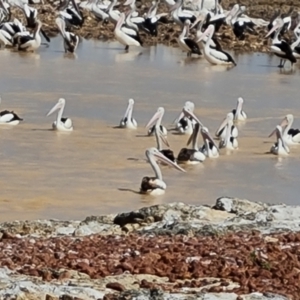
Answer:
(97, 169)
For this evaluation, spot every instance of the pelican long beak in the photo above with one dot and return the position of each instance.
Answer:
(283, 124)
(61, 26)
(200, 18)
(129, 108)
(207, 32)
(275, 27)
(279, 136)
(194, 134)
(54, 108)
(187, 112)
(207, 136)
(163, 138)
(164, 159)
(153, 120)
(222, 126)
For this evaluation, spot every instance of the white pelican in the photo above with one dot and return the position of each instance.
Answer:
(156, 119)
(61, 124)
(281, 48)
(9, 117)
(210, 149)
(229, 142)
(222, 130)
(215, 56)
(185, 124)
(180, 15)
(29, 43)
(5, 38)
(280, 147)
(290, 135)
(192, 156)
(155, 185)
(238, 113)
(128, 121)
(130, 38)
(186, 44)
(114, 15)
(71, 39)
(160, 137)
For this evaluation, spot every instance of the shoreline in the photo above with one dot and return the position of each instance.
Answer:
(176, 251)
(168, 33)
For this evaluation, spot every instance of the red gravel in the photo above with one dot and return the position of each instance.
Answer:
(256, 262)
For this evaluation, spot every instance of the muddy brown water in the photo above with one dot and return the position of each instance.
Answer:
(97, 169)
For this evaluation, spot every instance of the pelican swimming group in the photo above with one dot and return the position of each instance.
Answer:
(198, 24)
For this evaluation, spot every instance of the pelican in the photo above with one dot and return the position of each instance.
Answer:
(156, 119)
(128, 38)
(221, 131)
(215, 56)
(128, 121)
(238, 113)
(71, 40)
(9, 117)
(160, 137)
(155, 185)
(186, 44)
(281, 48)
(210, 149)
(185, 124)
(280, 147)
(72, 15)
(192, 156)
(28, 42)
(229, 142)
(290, 135)
(61, 124)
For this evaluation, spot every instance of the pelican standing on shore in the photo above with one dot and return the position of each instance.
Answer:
(155, 186)
(128, 121)
(61, 124)
(125, 36)
(238, 113)
(280, 147)
(9, 117)
(156, 119)
(71, 39)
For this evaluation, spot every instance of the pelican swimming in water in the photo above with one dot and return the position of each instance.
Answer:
(210, 149)
(61, 124)
(9, 117)
(215, 56)
(71, 39)
(156, 119)
(160, 137)
(280, 147)
(238, 113)
(229, 142)
(155, 185)
(290, 135)
(192, 156)
(185, 124)
(128, 121)
(221, 131)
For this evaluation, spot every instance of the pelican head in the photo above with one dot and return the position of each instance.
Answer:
(188, 112)
(156, 117)
(209, 31)
(288, 119)
(278, 23)
(59, 105)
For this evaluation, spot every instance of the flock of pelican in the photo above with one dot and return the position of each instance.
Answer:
(187, 123)
(205, 16)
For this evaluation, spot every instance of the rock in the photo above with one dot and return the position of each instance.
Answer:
(238, 206)
(116, 286)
